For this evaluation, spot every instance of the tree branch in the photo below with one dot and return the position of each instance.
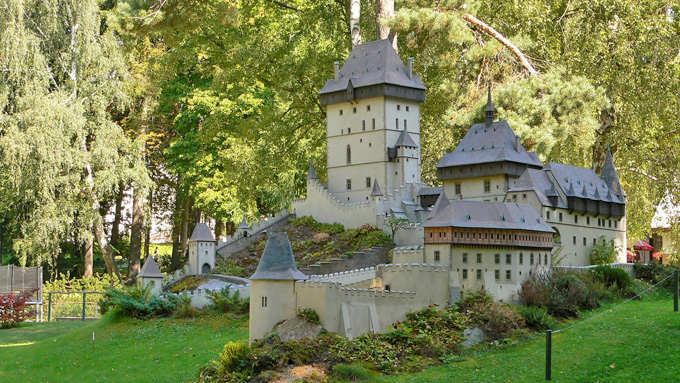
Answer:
(493, 33)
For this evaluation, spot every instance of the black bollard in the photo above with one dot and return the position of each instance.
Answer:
(548, 354)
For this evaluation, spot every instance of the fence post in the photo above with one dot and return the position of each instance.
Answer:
(49, 307)
(548, 354)
(84, 295)
(675, 291)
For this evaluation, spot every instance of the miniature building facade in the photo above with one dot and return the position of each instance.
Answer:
(151, 274)
(201, 250)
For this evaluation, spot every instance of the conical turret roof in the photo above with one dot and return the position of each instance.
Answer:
(442, 202)
(150, 269)
(277, 262)
(489, 104)
(244, 225)
(202, 233)
(610, 176)
(311, 173)
(405, 140)
(376, 190)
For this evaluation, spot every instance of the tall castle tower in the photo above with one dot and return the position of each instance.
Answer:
(373, 122)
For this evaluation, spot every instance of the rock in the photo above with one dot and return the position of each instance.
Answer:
(473, 336)
(298, 328)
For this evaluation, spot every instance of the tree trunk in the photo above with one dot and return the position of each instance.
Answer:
(186, 217)
(607, 122)
(176, 261)
(147, 242)
(354, 16)
(136, 231)
(88, 259)
(115, 227)
(385, 10)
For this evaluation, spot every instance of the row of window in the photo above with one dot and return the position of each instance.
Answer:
(349, 183)
(519, 237)
(585, 241)
(368, 109)
(508, 258)
(601, 222)
(496, 274)
(363, 126)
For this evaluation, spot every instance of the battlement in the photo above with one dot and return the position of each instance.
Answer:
(347, 277)
(425, 267)
(348, 291)
(257, 227)
(314, 185)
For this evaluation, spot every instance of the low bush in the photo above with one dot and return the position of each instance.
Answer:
(330, 228)
(228, 267)
(365, 237)
(351, 372)
(184, 308)
(13, 308)
(310, 315)
(235, 357)
(498, 320)
(138, 302)
(563, 295)
(225, 301)
(536, 318)
(654, 273)
(613, 278)
(603, 252)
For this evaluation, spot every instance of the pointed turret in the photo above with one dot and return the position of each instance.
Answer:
(151, 273)
(244, 225)
(596, 194)
(584, 192)
(311, 173)
(405, 140)
(201, 233)
(570, 190)
(489, 110)
(610, 176)
(442, 202)
(277, 261)
(552, 195)
(201, 250)
(376, 190)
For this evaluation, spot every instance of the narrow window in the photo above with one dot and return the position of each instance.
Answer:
(508, 259)
(524, 196)
(397, 124)
(575, 219)
(497, 259)
(368, 108)
(464, 257)
(354, 110)
(464, 273)
(531, 258)
(574, 240)
(363, 125)
(560, 217)
(584, 241)
(458, 190)
(521, 258)
(368, 182)
(479, 258)
(479, 273)
(587, 220)
(487, 186)
(405, 125)
(436, 256)
(545, 258)
(374, 124)
(341, 112)
(547, 215)
(594, 241)
(615, 221)
(349, 154)
(497, 274)
(407, 108)
(508, 274)
(398, 107)
(349, 184)
(610, 223)
(349, 130)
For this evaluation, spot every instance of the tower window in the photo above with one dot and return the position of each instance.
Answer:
(349, 154)
(405, 125)
(436, 256)
(479, 258)
(354, 110)
(349, 184)
(341, 112)
(487, 186)
(374, 124)
(574, 240)
(368, 108)
(497, 274)
(584, 241)
(363, 125)
(397, 124)
(560, 217)
(575, 219)
(398, 107)
(407, 108)
(349, 130)
(264, 301)
(479, 273)
(458, 189)
(464, 273)
(368, 182)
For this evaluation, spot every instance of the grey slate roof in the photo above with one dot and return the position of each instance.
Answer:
(405, 140)
(376, 190)
(581, 182)
(202, 233)
(441, 204)
(489, 215)
(436, 190)
(244, 225)
(538, 181)
(610, 176)
(150, 269)
(373, 63)
(311, 173)
(485, 145)
(277, 260)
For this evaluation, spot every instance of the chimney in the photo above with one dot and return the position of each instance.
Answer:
(337, 71)
(517, 144)
(410, 67)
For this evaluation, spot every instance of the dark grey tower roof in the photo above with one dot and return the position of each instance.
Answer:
(610, 176)
(539, 182)
(441, 204)
(489, 110)
(374, 64)
(311, 174)
(572, 178)
(376, 190)
(244, 225)
(277, 260)
(150, 269)
(202, 233)
(489, 215)
(495, 143)
(405, 140)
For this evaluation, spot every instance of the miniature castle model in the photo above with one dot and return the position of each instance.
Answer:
(509, 216)
(201, 250)
(151, 273)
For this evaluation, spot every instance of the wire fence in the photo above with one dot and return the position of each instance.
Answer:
(73, 305)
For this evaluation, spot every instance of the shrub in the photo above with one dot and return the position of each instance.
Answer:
(603, 252)
(184, 308)
(472, 299)
(611, 277)
(536, 318)
(13, 308)
(320, 237)
(330, 228)
(228, 267)
(497, 320)
(310, 315)
(654, 273)
(225, 301)
(138, 302)
(563, 295)
(351, 372)
(365, 237)
(235, 357)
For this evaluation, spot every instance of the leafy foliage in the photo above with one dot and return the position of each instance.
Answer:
(13, 308)
(365, 237)
(138, 302)
(498, 321)
(562, 295)
(537, 318)
(603, 252)
(654, 273)
(310, 315)
(613, 277)
(224, 301)
(228, 267)
(310, 222)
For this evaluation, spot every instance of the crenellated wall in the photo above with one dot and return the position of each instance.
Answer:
(409, 254)
(200, 297)
(429, 281)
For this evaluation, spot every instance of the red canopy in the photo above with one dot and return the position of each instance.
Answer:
(631, 257)
(657, 255)
(642, 245)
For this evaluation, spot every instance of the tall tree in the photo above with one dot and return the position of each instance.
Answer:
(61, 78)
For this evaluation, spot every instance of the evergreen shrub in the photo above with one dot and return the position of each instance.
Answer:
(225, 301)
(310, 315)
(537, 318)
(138, 302)
(613, 277)
(310, 222)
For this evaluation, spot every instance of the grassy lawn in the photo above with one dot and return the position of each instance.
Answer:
(636, 342)
(166, 350)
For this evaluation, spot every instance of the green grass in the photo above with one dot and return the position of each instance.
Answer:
(636, 342)
(162, 350)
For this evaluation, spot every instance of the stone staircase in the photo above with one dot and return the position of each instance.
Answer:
(358, 260)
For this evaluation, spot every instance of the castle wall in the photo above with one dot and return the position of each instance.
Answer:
(257, 232)
(473, 188)
(429, 281)
(325, 207)
(271, 301)
(410, 235)
(409, 254)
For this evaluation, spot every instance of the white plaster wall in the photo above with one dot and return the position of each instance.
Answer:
(473, 188)
(429, 281)
(281, 305)
(206, 254)
(409, 254)
(409, 236)
(193, 258)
